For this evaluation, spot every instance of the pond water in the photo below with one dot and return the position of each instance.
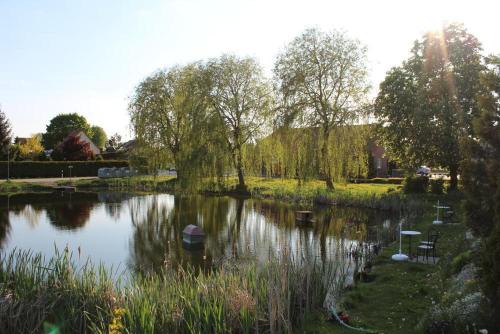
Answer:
(143, 232)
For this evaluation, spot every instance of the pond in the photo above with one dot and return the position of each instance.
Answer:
(128, 231)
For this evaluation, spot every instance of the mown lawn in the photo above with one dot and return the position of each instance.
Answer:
(399, 295)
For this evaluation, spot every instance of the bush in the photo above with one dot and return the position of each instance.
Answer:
(437, 186)
(26, 169)
(461, 260)
(415, 184)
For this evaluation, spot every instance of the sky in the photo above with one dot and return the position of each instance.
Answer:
(86, 56)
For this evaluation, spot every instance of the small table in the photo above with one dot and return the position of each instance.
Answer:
(410, 234)
(437, 221)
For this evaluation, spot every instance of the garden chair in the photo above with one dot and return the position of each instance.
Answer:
(428, 246)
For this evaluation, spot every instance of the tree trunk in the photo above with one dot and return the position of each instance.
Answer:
(453, 177)
(239, 168)
(326, 159)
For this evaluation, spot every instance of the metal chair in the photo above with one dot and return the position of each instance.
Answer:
(429, 246)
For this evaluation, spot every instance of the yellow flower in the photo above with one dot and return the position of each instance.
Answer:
(116, 325)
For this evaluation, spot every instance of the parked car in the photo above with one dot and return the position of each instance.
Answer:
(424, 171)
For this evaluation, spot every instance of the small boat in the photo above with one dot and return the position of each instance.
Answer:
(193, 234)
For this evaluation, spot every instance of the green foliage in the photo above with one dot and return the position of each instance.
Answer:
(322, 84)
(481, 181)
(460, 261)
(437, 186)
(240, 97)
(5, 133)
(425, 106)
(170, 118)
(415, 184)
(61, 126)
(73, 149)
(98, 136)
(35, 169)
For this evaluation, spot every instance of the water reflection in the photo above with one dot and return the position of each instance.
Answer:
(144, 232)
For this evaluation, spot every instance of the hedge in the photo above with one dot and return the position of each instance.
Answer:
(392, 180)
(34, 169)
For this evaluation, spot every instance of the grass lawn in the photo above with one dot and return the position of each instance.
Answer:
(398, 295)
(7, 187)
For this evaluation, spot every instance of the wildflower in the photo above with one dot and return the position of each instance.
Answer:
(116, 325)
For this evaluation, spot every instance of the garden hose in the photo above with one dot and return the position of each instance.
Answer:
(334, 312)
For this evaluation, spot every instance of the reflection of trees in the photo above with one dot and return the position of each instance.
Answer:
(113, 202)
(70, 215)
(4, 226)
(158, 223)
(236, 227)
(150, 244)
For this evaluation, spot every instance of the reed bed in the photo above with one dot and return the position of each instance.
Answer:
(58, 296)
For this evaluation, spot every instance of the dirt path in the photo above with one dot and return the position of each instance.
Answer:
(48, 181)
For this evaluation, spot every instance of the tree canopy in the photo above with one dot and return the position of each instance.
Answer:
(32, 148)
(169, 114)
(98, 136)
(73, 149)
(240, 97)
(321, 79)
(5, 133)
(61, 126)
(426, 105)
(481, 182)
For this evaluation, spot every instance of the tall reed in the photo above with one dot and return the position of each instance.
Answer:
(237, 297)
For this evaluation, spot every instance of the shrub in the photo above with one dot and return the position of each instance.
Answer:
(437, 186)
(25, 169)
(75, 149)
(415, 184)
(460, 261)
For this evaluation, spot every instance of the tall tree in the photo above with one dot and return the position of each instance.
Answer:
(241, 99)
(61, 126)
(322, 80)
(5, 133)
(426, 106)
(169, 114)
(481, 181)
(98, 136)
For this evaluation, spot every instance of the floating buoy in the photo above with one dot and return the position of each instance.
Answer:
(193, 235)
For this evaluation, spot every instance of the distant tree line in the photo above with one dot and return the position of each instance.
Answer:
(58, 139)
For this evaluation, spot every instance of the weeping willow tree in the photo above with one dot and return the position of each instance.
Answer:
(170, 117)
(296, 153)
(321, 79)
(241, 100)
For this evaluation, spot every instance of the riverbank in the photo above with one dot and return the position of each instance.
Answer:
(415, 297)
(368, 195)
(396, 296)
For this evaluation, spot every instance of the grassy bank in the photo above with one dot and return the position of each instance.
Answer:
(369, 195)
(413, 297)
(7, 187)
(58, 296)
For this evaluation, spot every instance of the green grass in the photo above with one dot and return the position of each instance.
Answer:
(399, 295)
(7, 187)
(378, 196)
